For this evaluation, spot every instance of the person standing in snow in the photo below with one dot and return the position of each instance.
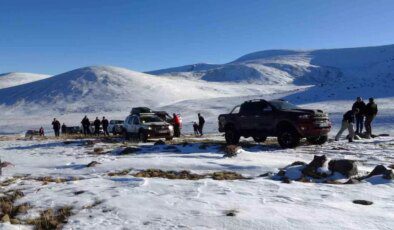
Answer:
(201, 122)
(347, 123)
(371, 109)
(86, 125)
(56, 127)
(105, 124)
(64, 129)
(177, 125)
(96, 124)
(195, 127)
(360, 105)
(41, 131)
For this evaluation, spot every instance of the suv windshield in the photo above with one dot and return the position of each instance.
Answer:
(150, 119)
(283, 105)
(118, 122)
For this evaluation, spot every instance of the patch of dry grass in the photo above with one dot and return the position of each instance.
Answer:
(120, 173)
(181, 175)
(51, 219)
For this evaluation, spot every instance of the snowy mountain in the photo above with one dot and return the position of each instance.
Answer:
(354, 66)
(15, 78)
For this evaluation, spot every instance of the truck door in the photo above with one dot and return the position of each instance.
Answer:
(266, 119)
(247, 116)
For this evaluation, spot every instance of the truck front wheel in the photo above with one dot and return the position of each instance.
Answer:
(143, 136)
(232, 137)
(319, 140)
(288, 138)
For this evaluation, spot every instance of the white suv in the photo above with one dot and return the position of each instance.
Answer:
(146, 126)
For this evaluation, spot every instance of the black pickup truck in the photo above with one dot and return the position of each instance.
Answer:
(278, 118)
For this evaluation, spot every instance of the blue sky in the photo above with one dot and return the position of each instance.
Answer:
(49, 36)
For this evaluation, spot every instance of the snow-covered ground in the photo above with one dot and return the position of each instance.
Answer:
(128, 202)
(320, 79)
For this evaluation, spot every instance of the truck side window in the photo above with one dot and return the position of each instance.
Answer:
(250, 109)
(266, 108)
(136, 121)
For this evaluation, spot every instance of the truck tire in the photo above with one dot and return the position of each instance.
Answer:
(232, 137)
(317, 140)
(260, 139)
(288, 138)
(127, 135)
(169, 138)
(143, 136)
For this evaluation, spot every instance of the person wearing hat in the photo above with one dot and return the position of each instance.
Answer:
(371, 109)
(360, 105)
(347, 123)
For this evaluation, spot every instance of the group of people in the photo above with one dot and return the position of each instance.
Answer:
(86, 125)
(362, 114)
(198, 127)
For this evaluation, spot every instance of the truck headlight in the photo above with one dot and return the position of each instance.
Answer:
(171, 128)
(149, 128)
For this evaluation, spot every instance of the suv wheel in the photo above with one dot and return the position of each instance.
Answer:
(232, 137)
(288, 138)
(143, 136)
(319, 140)
(260, 139)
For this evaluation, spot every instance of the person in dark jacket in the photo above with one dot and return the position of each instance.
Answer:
(64, 129)
(195, 128)
(56, 127)
(105, 124)
(360, 105)
(97, 124)
(201, 122)
(371, 109)
(41, 131)
(347, 123)
(86, 125)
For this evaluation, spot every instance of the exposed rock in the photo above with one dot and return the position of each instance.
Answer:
(15, 221)
(129, 150)
(79, 192)
(159, 142)
(352, 181)
(380, 170)
(184, 175)
(98, 150)
(286, 180)
(92, 164)
(231, 150)
(231, 213)
(345, 167)
(363, 202)
(391, 166)
(304, 180)
(311, 168)
(5, 218)
(298, 163)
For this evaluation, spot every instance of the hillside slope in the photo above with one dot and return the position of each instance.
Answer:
(16, 78)
(350, 66)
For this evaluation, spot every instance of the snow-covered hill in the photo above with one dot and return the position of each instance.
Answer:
(105, 88)
(15, 78)
(351, 66)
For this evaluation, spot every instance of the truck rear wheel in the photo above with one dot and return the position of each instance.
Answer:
(288, 138)
(232, 137)
(319, 140)
(260, 139)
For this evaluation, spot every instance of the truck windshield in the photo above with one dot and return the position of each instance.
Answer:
(283, 105)
(150, 119)
(118, 122)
